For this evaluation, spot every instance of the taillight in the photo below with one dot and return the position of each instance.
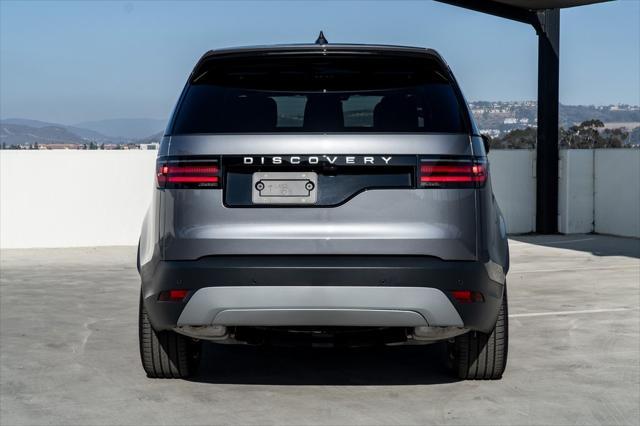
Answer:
(442, 173)
(188, 175)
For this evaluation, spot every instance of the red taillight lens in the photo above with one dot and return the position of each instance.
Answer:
(173, 295)
(450, 173)
(467, 296)
(188, 175)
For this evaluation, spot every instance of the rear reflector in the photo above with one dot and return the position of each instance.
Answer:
(188, 175)
(467, 296)
(173, 295)
(440, 173)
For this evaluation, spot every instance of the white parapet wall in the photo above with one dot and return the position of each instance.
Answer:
(575, 192)
(514, 185)
(617, 192)
(73, 198)
(600, 191)
(98, 198)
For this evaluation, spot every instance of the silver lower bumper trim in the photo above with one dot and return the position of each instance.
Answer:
(320, 306)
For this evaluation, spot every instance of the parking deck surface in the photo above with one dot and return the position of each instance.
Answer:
(69, 352)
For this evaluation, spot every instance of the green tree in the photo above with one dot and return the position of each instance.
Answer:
(591, 134)
(614, 138)
(516, 139)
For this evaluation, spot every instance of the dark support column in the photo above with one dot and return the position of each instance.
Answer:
(547, 25)
(548, 99)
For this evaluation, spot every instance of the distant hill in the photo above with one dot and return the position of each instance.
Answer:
(118, 131)
(127, 128)
(155, 138)
(16, 134)
(89, 135)
(501, 115)
(30, 123)
(574, 114)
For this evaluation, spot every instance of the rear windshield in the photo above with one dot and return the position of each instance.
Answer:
(327, 95)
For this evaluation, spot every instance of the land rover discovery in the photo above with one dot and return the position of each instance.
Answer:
(327, 193)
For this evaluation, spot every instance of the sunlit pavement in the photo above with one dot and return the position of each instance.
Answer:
(69, 352)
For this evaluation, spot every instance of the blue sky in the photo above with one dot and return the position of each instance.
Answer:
(74, 61)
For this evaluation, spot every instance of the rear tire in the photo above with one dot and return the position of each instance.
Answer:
(166, 354)
(481, 356)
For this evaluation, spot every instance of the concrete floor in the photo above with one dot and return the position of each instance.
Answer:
(69, 352)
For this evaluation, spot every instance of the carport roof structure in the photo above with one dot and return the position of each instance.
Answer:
(544, 16)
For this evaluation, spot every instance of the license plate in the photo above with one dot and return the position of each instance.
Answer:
(284, 188)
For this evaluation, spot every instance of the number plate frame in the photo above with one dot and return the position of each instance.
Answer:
(284, 188)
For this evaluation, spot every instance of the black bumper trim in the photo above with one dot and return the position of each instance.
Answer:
(389, 271)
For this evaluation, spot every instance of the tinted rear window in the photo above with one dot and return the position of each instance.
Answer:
(311, 94)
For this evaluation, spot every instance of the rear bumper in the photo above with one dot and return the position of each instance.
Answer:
(383, 291)
(320, 306)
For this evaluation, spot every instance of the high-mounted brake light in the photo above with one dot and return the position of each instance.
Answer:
(188, 175)
(441, 173)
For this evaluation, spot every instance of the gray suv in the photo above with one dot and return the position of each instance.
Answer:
(323, 194)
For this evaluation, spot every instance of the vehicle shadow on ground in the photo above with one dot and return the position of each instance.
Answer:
(598, 245)
(268, 365)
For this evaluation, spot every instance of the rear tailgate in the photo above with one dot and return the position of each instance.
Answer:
(370, 199)
(338, 150)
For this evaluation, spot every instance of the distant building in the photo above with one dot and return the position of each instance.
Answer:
(63, 146)
(494, 133)
(150, 146)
